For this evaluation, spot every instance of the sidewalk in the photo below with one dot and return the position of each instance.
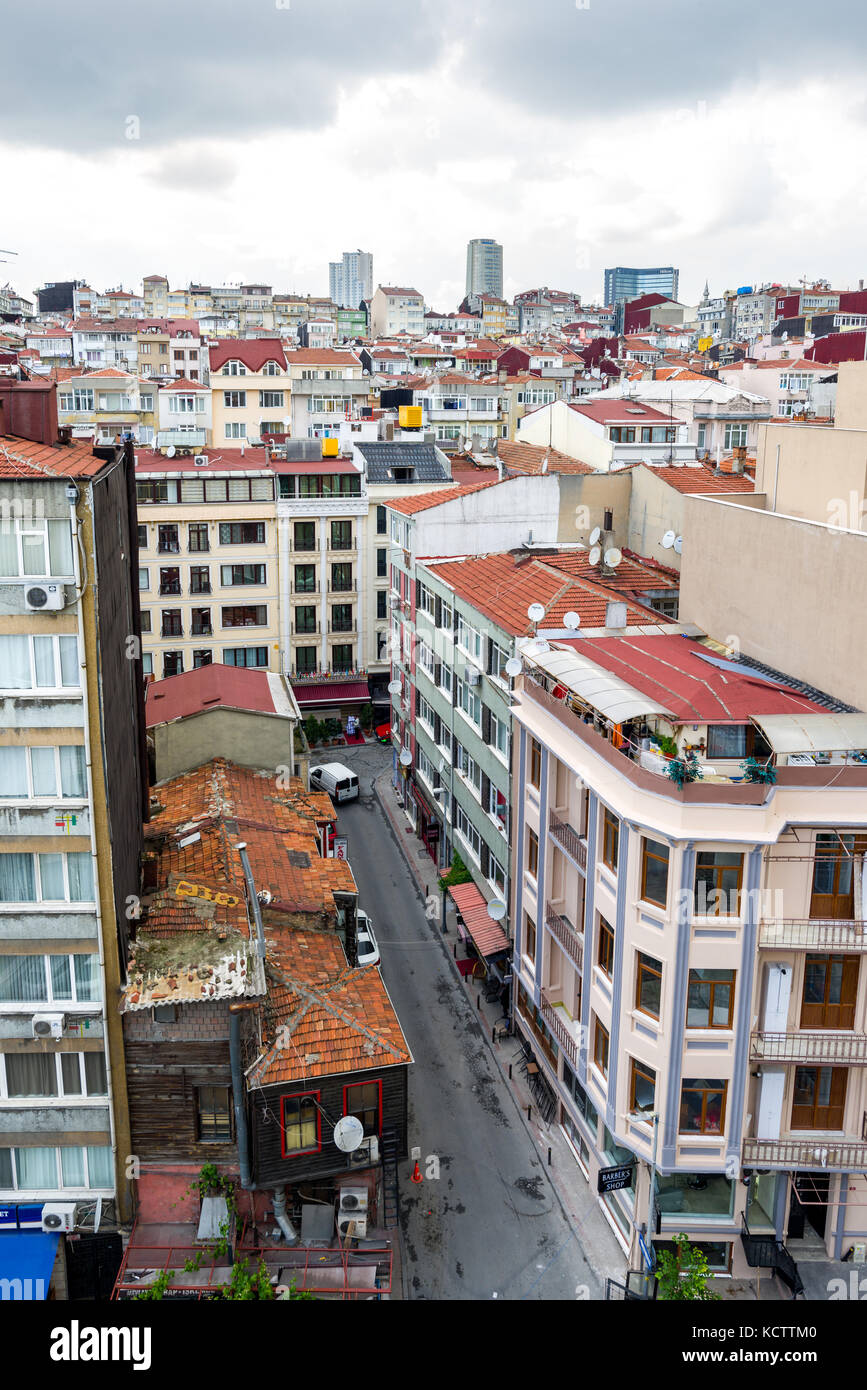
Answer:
(574, 1194)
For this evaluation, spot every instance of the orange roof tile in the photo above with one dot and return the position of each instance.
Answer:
(422, 501)
(688, 479)
(521, 457)
(22, 458)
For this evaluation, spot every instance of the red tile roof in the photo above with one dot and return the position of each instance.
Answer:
(22, 458)
(689, 479)
(321, 357)
(253, 352)
(633, 574)
(521, 457)
(205, 687)
(422, 501)
(623, 412)
(230, 461)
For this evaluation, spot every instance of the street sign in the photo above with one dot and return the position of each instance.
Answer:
(341, 847)
(647, 1253)
(611, 1179)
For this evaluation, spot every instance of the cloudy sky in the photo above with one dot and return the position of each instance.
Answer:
(229, 140)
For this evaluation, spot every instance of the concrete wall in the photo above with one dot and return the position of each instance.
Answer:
(482, 523)
(253, 740)
(820, 473)
(790, 591)
(851, 410)
(569, 432)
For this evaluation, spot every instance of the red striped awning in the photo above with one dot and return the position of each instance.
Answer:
(488, 936)
(331, 692)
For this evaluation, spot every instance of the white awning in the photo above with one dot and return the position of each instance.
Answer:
(814, 733)
(595, 686)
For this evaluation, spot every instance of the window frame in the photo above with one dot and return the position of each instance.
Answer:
(610, 839)
(606, 938)
(646, 965)
(216, 1138)
(731, 984)
(357, 1085)
(601, 1047)
(645, 1070)
(310, 1149)
(648, 854)
(720, 1086)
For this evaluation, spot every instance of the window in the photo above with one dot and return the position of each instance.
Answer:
(735, 436)
(173, 664)
(305, 618)
(496, 873)
(305, 535)
(341, 617)
(300, 1124)
(245, 656)
(583, 1103)
(470, 704)
(468, 833)
(819, 1097)
(42, 1169)
(710, 999)
(446, 617)
(464, 764)
(497, 658)
(213, 1114)
(171, 623)
(425, 600)
(343, 657)
(246, 615)
(341, 535)
(202, 656)
(142, 537)
(53, 1074)
(470, 639)
(381, 603)
(830, 991)
(380, 521)
(654, 872)
(535, 764)
(145, 620)
(234, 368)
(41, 771)
(234, 400)
(610, 838)
(242, 533)
(37, 663)
(364, 1100)
(305, 579)
(67, 979)
(702, 1107)
(605, 948)
(271, 400)
(232, 575)
(341, 577)
(529, 937)
(200, 579)
(446, 675)
(170, 581)
(642, 1088)
(306, 659)
(648, 984)
(500, 736)
(717, 884)
(600, 1048)
(197, 536)
(381, 563)
(532, 854)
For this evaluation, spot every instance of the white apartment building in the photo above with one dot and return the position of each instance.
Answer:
(350, 280)
(461, 407)
(394, 309)
(326, 386)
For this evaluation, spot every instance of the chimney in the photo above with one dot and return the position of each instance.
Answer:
(544, 468)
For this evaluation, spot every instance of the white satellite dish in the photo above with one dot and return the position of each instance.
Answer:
(613, 557)
(496, 910)
(514, 666)
(394, 687)
(572, 619)
(595, 555)
(405, 758)
(668, 540)
(678, 544)
(536, 612)
(348, 1133)
(170, 451)
(595, 534)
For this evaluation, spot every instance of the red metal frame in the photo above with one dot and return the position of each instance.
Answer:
(299, 1095)
(353, 1085)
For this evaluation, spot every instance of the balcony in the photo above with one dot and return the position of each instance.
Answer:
(564, 835)
(813, 934)
(184, 439)
(568, 936)
(828, 1155)
(565, 1039)
(821, 1048)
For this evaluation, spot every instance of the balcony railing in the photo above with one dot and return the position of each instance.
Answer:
(571, 940)
(823, 1047)
(564, 1038)
(568, 839)
(813, 934)
(832, 1155)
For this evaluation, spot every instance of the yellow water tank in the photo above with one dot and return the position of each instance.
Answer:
(409, 417)
(330, 448)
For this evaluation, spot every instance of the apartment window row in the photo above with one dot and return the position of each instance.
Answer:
(46, 878)
(468, 833)
(56, 979)
(187, 490)
(28, 662)
(231, 576)
(26, 1075)
(37, 549)
(44, 1170)
(32, 772)
(173, 661)
(317, 485)
(718, 874)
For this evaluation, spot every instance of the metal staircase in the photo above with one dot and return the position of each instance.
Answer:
(390, 1190)
(767, 1252)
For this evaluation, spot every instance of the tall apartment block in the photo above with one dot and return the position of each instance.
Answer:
(628, 282)
(350, 280)
(73, 794)
(484, 267)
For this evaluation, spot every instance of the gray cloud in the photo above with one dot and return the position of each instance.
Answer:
(194, 171)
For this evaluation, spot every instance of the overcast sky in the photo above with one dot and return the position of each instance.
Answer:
(268, 136)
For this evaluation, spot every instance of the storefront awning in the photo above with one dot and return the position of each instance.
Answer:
(330, 693)
(814, 733)
(487, 935)
(26, 1262)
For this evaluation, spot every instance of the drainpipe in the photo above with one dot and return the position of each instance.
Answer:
(235, 1011)
(73, 498)
(281, 1218)
(776, 477)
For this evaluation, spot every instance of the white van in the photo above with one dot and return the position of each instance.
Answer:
(338, 781)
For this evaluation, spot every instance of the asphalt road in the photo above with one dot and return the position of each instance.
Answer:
(490, 1226)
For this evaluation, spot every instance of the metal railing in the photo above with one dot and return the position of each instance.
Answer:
(568, 839)
(813, 933)
(833, 1155)
(569, 938)
(559, 1029)
(826, 1047)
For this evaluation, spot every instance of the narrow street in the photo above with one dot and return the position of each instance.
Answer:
(490, 1225)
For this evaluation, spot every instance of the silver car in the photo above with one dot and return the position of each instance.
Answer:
(367, 950)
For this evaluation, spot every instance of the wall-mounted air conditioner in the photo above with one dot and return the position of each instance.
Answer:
(471, 675)
(45, 597)
(366, 1154)
(353, 1199)
(59, 1216)
(48, 1025)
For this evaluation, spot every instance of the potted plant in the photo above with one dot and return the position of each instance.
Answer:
(685, 769)
(312, 729)
(755, 770)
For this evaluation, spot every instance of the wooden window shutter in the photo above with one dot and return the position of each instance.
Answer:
(438, 611)
(486, 724)
(486, 791)
(485, 857)
(438, 671)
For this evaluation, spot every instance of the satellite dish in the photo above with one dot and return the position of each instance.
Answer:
(595, 534)
(668, 540)
(678, 544)
(348, 1133)
(514, 666)
(595, 555)
(536, 612)
(394, 687)
(572, 619)
(496, 910)
(405, 758)
(171, 451)
(613, 557)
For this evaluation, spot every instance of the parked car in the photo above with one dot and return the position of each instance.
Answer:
(338, 781)
(367, 950)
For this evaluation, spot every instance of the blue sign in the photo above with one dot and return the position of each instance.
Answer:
(648, 1253)
(745, 289)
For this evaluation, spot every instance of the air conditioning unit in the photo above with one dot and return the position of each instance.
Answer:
(48, 1025)
(471, 675)
(44, 597)
(200, 460)
(353, 1200)
(358, 1224)
(59, 1216)
(366, 1153)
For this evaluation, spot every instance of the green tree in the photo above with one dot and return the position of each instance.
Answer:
(458, 873)
(683, 1275)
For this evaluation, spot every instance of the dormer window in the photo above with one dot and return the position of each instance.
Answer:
(234, 368)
